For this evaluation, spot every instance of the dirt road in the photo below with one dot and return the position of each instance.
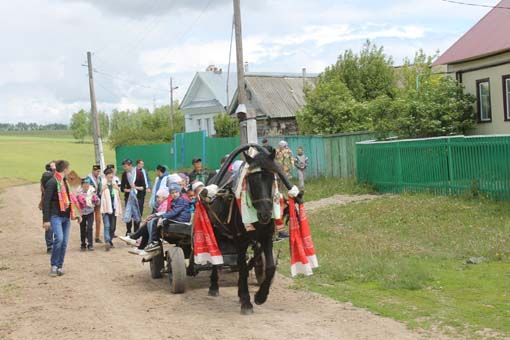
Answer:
(111, 296)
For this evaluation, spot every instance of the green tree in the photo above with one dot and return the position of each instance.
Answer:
(330, 109)
(104, 124)
(340, 100)
(225, 125)
(143, 127)
(367, 75)
(438, 107)
(80, 123)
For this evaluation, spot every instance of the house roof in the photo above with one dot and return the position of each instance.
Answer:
(489, 36)
(216, 82)
(277, 95)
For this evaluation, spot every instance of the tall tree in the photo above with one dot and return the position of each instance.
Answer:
(80, 123)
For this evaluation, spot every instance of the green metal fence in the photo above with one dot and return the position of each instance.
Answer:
(152, 154)
(448, 165)
(329, 156)
(180, 153)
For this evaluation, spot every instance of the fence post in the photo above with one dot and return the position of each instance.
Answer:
(450, 166)
(399, 167)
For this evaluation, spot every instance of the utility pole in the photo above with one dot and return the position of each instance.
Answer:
(248, 123)
(98, 144)
(172, 89)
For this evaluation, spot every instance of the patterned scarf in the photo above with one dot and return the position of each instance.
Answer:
(66, 199)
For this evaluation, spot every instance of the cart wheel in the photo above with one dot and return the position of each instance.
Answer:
(157, 264)
(260, 269)
(176, 270)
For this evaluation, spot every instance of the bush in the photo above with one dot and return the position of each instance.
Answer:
(226, 126)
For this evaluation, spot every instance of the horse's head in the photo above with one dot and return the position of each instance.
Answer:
(260, 179)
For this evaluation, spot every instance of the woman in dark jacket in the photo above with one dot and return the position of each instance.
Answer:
(58, 210)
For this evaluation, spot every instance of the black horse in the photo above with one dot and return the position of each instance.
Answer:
(226, 218)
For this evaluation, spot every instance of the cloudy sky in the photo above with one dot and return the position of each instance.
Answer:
(139, 44)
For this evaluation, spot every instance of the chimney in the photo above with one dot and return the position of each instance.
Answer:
(246, 67)
(304, 76)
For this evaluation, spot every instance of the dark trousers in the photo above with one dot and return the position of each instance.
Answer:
(155, 231)
(129, 225)
(86, 226)
(142, 232)
(113, 226)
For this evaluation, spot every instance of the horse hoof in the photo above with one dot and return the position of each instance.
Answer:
(260, 299)
(214, 293)
(247, 311)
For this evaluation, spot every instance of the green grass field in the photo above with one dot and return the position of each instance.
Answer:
(23, 157)
(405, 257)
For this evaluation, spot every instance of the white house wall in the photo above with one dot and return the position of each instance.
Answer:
(204, 115)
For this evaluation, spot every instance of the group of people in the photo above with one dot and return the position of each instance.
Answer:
(288, 161)
(97, 202)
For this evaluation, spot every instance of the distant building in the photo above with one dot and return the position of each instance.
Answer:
(276, 98)
(480, 60)
(207, 97)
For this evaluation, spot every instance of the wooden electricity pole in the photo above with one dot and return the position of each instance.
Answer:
(248, 123)
(171, 103)
(98, 144)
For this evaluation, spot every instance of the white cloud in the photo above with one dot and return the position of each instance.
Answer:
(146, 42)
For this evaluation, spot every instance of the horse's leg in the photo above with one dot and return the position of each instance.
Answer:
(263, 292)
(242, 285)
(214, 289)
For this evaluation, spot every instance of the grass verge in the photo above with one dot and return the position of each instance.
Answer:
(318, 188)
(404, 257)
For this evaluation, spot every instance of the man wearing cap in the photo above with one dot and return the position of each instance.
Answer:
(96, 181)
(198, 173)
(133, 179)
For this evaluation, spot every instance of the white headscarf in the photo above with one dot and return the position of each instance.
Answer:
(283, 144)
(163, 192)
(174, 178)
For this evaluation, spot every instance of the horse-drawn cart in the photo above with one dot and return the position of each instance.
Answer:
(233, 228)
(175, 257)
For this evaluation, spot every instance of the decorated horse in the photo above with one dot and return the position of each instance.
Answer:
(243, 210)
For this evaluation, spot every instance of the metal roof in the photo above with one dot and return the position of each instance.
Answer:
(277, 96)
(489, 36)
(216, 82)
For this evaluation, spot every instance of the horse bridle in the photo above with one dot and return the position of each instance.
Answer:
(265, 199)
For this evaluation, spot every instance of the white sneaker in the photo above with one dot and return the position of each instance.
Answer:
(143, 253)
(135, 251)
(128, 240)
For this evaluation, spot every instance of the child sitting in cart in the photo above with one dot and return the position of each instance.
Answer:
(145, 230)
(179, 212)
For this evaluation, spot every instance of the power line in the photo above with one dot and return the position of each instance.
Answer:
(129, 81)
(178, 40)
(474, 5)
(189, 29)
